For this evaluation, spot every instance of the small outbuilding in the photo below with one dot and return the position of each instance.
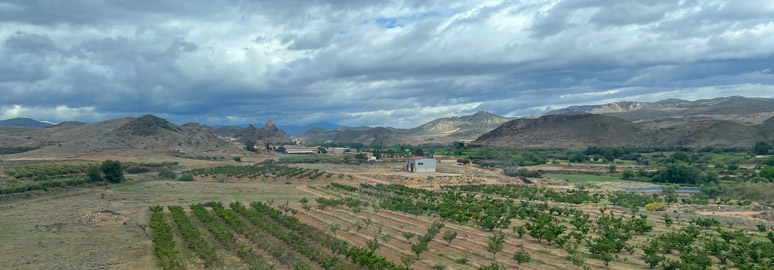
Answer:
(420, 164)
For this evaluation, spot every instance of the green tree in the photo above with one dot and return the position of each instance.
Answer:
(770, 161)
(611, 169)
(113, 171)
(449, 236)
(408, 235)
(186, 177)
(577, 260)
(495, 244)
(250, 146)
(678, 173)
(373, 245)
(238, 159)
(522, 257)
(95, 173)
(419, 247)
(520, 230)
(322, 150)
(578, 158)
(627, 173)
(334, 228)
(167, 174)
(761, 148)
(767, 172)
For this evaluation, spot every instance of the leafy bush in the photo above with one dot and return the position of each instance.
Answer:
(628, 173)
(168, 174)
(768, 173)
(655, 207)
(137, 170)
(113, 171)
(514, 172)
(186, 177)
(95, 173)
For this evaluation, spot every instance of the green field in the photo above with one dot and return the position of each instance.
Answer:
(583, 178)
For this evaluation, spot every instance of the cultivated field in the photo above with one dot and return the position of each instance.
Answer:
(317, 216)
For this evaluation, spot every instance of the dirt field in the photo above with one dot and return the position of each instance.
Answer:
(65, 231)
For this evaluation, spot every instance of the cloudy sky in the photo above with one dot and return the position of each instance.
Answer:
(353, 62)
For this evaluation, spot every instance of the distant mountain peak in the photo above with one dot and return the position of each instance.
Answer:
(148, 125)
(23, 122)
(269, 133)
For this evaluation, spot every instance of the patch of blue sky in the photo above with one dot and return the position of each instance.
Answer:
(388, 23)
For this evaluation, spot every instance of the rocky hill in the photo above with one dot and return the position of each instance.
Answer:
(317, 134)
(23, 122)
(459, 127)
(373, 136)
(149, 133)
(584, 129)
(442, 130)
(566, 131)
(671, 112)
(268, 134)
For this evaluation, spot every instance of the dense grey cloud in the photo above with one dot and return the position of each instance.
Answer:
(397, 63)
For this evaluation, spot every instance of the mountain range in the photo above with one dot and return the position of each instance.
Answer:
(292, 130)
(727, 122)
(576, 130)
(670, 112)
(23, 122)
(147, 133)
(442, 130)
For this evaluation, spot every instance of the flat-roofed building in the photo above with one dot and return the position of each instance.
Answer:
(420, 164)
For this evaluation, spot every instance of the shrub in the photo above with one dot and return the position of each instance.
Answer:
(461, 260)
(113, 171)
(767, 172)
(137, 170)
(167, 174)
(438, 266)
(186, 177)
(514, 172)
(95, 173)
(655, 207)
(578, 158)
(627, 173)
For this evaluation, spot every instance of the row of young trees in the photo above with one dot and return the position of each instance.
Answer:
(109, 170)
(203, 249)
(296, 241)
(604, 236)
(226, 238)
(164, 241)
(363, 256)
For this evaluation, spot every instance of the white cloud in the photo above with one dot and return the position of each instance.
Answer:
(398, 63)
(50, 114)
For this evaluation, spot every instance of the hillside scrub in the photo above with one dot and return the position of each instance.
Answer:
(515, 172)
